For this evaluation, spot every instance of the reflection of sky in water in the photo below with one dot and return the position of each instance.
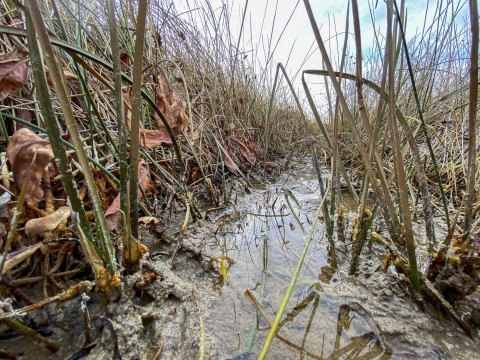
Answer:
(319, 321)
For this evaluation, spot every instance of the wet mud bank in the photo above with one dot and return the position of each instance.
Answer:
(330, 315)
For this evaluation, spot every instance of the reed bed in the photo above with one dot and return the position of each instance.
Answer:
(403, 122)
(223, 128)
(174, 96)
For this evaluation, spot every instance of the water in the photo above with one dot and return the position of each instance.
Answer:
(330, 315)
(320, 322)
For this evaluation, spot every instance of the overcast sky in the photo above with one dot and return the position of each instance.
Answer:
(330, 16)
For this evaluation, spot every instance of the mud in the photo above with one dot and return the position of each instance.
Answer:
(330, 315)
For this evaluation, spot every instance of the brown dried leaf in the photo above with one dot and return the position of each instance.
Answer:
(69, 76)
(113, 214)
(154, 138)
(171, 105)
(16, 22)
(20, 150)
(148, 138)
(13, 71)
(246, 149)
(123, 59)
(159, 40)
(228, 158)
(147, 220)
(24, 115)
(230, 166)
(16, 257)
(48, 223)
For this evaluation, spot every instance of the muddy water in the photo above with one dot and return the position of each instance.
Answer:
(330, 315)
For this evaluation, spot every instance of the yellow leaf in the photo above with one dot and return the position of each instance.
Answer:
(222, 267)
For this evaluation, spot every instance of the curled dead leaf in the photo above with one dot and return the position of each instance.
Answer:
(148, 138)
(113, 214)
(123, 59)
(228, 157)
(154, 138)
(229, 164)
(23, 144)
(24, 115)
(171, 105)
(13, 71)
(148, 220)
(48, 223)
(246, 148)
(159, 40)
(69, 76)
(16, 257)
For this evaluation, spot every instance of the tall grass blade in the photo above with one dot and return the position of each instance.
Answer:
(472, 121)
(132, 219)
(61, 159)
(120, 111)
(398, 159)
(60, 88)
(288, 293)
(382, 191)
(420, 115)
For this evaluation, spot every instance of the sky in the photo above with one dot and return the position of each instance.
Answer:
(293, 32)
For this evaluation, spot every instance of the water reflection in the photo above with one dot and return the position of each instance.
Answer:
(266, 249)
(326, 275)
(368, 345)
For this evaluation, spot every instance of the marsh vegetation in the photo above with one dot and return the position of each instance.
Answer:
(153, 170)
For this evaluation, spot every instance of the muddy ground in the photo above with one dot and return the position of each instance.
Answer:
(330, 315)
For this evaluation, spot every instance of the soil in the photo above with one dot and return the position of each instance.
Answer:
(330, 315)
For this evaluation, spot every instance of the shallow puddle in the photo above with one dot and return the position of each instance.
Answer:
(319, 322)
(329, 314)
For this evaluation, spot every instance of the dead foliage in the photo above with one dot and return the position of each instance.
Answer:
(113, 216)
(20, 151)
(13, 71)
